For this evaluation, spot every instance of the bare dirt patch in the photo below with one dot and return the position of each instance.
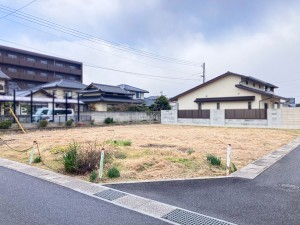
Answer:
(156, 151)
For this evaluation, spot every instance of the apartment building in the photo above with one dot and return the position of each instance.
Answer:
(28, 69)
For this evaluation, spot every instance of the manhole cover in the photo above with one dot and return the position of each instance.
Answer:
(290, 187)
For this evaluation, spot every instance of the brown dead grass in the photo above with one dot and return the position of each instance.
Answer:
(157, 151)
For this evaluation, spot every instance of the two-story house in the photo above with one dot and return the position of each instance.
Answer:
(230, 91)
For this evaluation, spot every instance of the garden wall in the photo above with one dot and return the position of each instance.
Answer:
(286, 118)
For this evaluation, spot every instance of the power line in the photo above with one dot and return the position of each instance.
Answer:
(112, 69)
(13, 12)
(135, 73)
(97, 40)
(97, 49)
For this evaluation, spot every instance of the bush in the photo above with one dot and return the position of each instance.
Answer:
(108, 120)
(119, 142)
(69, 123)
(78, 160)
(37, 159)
(70, 158)
(43, 123)
(5, 124)
(88, 160)
(214, 160)
(113, 172)
(93, 176)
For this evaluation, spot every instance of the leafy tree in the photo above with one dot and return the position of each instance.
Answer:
(161, 103)
(298, 105)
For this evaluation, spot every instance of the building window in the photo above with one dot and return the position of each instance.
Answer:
(68, 94)
(12, 56)
(72, 67)
(72, 78)
(272, 89)
(13, 70)
(44, 62)
(266, 88)
(31, 59)
(43, 74)
(259, 86)
(247, 82)
(138, 94)
(249, 105)
(60, 76)
(59, 64)
(253, 84)
(1, 87)
(30, 85)
(218, 105)
(30, 72)
(199, 106)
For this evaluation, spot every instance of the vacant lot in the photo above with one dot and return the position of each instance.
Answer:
(157, 151)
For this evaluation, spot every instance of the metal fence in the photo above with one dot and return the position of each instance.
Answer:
(256, 114)
(194, 114)
(57, 119)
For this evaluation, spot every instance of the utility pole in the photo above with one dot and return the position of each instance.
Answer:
(203, 73)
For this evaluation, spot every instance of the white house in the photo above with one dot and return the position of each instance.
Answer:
(230, 91)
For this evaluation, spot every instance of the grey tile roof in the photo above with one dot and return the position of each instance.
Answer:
(107, 99)
(65, 84)
(271, 95)
(4, 76)
(110, 89)
(150, 100)
(131, 88)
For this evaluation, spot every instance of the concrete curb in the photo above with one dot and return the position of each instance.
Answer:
(255, 168)
(162, 211)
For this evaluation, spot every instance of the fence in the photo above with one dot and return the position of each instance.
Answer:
(256, 114)
(57, 119)
(194, 114)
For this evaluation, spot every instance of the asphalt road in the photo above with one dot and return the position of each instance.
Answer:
(25, 200)
(271, 198)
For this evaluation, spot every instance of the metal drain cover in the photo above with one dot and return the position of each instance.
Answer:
(188, 218)
(110, 194)
(290, 187)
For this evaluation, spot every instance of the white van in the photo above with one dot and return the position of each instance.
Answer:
(59, 114)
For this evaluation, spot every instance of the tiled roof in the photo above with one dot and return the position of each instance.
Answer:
(65, 84)
(130, 88)
(4, 76)
(259, 91)
(107, 99)
(110, 89)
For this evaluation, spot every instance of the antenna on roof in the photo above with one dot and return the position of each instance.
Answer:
(203, 73)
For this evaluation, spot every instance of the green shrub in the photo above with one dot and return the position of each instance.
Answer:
(93, 176)
(37, 159)
(214, 160)
(108, 120)
(113, 172)
(69, 123)
(5, 124)
(119, 142)
(43, 123)
(70, 158)
(233, 168)
(78, 160)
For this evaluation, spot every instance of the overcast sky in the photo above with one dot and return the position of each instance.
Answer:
(259, 38)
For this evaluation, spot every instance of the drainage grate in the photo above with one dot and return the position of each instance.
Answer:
(290, 187)
(188, 218)
(110, 194)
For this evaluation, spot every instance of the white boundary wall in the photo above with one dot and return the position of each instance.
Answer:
(287, 118)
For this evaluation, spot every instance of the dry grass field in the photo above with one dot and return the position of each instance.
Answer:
(157, 151)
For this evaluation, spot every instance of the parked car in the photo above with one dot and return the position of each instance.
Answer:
(59, 114)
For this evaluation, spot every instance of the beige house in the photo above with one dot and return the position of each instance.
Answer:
(230, 91)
